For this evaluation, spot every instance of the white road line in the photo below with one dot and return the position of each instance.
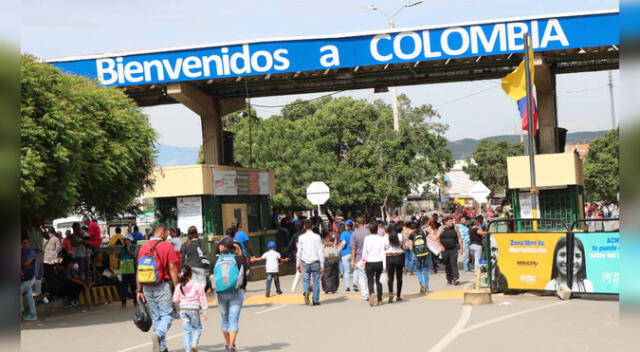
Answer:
(271, 309)
(509, 316)
(147, 344)
(455, 331)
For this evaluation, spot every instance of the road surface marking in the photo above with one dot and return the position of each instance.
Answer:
(509, 316)
(270, 309)
(455, 331)
(147, 344)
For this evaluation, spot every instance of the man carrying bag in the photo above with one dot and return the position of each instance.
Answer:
(157, 264)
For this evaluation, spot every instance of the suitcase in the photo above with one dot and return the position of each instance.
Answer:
(331, 277)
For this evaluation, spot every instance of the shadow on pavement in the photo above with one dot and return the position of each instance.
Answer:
(275, 346)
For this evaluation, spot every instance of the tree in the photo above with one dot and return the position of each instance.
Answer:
(490, 165)
(350, 145)
(82, 146)
(602, 167)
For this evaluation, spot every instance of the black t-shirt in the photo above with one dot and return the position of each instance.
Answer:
(192, 253)
(449, 238)
(474, 237)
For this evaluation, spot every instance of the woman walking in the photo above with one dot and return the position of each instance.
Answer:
(230, 274)
(193, 254)
(450, 238)
(375, 262)
(409, 262)
(394, 251)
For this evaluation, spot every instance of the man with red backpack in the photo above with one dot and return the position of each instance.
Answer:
(157, 264)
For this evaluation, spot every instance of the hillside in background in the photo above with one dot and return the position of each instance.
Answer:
(463, 148)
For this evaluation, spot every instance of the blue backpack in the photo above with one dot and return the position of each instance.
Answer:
(226, 273)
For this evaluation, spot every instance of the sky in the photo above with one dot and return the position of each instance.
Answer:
(476, 109)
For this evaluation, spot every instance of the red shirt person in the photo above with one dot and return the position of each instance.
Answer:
(93, 229)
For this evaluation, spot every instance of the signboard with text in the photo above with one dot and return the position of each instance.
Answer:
(487, 38)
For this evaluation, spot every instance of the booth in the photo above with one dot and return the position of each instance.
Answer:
(560, 182)
(212, 198)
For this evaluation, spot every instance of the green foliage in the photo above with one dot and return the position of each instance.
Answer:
(602, 167)
(82, 145)
(491, 163)
(351, 146)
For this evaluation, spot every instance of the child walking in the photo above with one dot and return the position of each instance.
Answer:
(189, 294)
(272, 258)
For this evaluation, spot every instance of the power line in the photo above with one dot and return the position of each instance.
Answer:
(464, 97)
(587, 89)
(304, 101)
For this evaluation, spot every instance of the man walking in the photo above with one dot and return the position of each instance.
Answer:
(357, 243)
(310, 261)
(158, 295)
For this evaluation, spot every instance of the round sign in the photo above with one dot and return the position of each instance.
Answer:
(318, 193)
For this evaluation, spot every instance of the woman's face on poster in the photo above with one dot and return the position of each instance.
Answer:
(561, 260)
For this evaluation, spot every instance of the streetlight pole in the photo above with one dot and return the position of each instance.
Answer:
(394, 91)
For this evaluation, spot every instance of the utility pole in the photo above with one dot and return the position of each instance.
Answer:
(613, 109)
(394, 91)
(530, 130)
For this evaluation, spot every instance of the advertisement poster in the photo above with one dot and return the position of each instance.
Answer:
(601, 265)
(525, 261)
(524, 198)
(225, 183)
(190, 213)
(265, 185)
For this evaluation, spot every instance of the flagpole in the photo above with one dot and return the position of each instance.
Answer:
(530, 107)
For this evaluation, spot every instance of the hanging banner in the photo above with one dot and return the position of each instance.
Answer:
(189, 213)
(600, 269)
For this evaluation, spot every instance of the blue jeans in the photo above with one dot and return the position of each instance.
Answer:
(160, 303)
(192, 328)
(307, 271)
(26, 290)
(409, 261)
(477, 254)
(345, 266)
(465, 258)
(423, 265)
(230, 305)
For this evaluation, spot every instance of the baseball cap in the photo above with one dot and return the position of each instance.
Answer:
(348, 222)
(271, 245)
(129, 237)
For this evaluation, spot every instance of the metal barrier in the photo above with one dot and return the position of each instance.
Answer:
(521, 260)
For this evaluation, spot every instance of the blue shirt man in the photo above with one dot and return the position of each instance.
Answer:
(137, 235)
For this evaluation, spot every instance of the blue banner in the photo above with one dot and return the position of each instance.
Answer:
(601, 259)
(308, 54)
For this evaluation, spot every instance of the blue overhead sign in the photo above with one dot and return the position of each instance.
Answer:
(331, 52)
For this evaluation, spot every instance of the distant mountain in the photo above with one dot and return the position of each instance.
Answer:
(463, 148)
(169, 155)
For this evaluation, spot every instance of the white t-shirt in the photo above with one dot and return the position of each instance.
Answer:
(271, 257)
(373, 250)
(390, 249)
(177, 244)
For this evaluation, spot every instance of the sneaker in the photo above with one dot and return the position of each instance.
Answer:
(306, 298)
(391, 298)
(155, 340)
(30, 317)
(348, 290)
(232, 349)
(355, 288)
(279, 292)
(267, 294)
(421, 288)
(456, 282)
(399, 299)
(449, 282)
(372, 300)
(316, 303)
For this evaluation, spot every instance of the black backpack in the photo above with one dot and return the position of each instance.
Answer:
(420, 243)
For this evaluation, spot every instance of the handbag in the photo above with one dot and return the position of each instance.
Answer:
(141, 317)
(384, 278)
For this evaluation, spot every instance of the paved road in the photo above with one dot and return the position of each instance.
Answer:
(437, 322)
